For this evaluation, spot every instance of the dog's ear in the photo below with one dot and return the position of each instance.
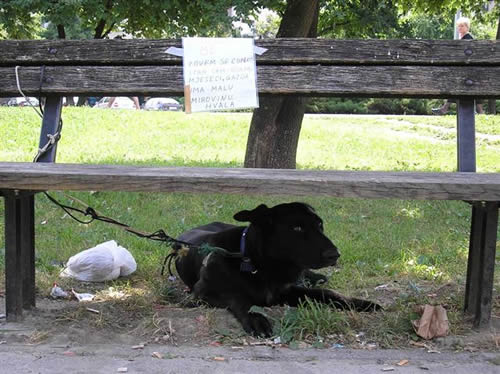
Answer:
(255, 215)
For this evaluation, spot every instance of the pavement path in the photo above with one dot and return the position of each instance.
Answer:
(111, 358)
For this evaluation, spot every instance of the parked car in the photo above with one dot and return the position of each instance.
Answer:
(162, 103)
(121, 102)
(21, 101)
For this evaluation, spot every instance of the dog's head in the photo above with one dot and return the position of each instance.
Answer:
(291, 232)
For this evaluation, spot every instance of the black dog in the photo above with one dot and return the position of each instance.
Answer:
(265, 261)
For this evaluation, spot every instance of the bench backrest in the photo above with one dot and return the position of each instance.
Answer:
(319, 67)
(464, 69)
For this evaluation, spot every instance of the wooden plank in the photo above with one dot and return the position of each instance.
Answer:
(379, 185)
(372, 81)
(280, 51)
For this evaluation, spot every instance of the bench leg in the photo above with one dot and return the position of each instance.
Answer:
(481, 263)
(50, 124)
(20, 226)
(466, 144)
(19, 255)
(27, 229)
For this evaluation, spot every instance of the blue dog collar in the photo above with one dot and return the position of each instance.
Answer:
(246, 263)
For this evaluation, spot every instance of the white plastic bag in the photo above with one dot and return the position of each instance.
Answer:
(106, 261)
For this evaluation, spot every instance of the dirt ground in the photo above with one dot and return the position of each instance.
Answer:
(62, 336)
(127, 317)
(119, 333)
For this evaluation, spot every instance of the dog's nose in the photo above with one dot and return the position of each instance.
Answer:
(330, 255)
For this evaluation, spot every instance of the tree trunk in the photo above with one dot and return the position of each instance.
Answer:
(61, 32)
(275, 126)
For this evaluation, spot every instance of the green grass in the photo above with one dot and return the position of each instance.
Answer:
(414, 246)
(485, 124)
(153, 138)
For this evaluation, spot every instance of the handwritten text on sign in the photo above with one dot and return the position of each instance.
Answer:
(219, 74)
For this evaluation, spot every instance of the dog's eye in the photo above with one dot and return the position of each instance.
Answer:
(298, 228)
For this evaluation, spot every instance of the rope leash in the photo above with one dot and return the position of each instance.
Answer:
(179, 247)
(18, 83)
(53, 139)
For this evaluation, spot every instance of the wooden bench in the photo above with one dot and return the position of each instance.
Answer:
(373, 68)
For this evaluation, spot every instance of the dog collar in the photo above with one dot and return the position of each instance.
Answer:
(246, 263)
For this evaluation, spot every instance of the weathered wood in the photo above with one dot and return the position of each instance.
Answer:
(318, 80)
(379, 185)
(280, 51)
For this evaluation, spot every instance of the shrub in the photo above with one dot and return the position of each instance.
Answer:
(398, 106)
(337, 105)
(371, 106)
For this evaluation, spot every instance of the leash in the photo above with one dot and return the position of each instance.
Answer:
(159, 235)
(179, 247)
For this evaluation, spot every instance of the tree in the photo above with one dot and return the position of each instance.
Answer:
(17, 23)
(22, 19)
(140, 18)
(275, 126)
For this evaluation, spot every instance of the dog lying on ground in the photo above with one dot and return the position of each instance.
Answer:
(266, 260)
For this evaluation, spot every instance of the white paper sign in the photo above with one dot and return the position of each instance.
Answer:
(219, 74)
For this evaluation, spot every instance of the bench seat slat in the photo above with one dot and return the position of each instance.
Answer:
(280, 51)
(320, 80)
(379, 185)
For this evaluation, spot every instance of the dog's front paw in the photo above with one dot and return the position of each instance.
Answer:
(258, 325)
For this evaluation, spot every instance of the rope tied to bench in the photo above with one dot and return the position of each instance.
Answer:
(52, 138)
(18, 83)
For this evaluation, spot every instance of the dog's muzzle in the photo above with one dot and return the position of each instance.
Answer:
(330, 257)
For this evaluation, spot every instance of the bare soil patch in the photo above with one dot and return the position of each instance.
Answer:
(117, 317)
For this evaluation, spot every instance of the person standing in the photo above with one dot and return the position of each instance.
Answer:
(463, 27)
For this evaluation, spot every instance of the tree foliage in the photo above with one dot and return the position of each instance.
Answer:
(138, 18)
(22, 19)
(481, 12)
(358, 18)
